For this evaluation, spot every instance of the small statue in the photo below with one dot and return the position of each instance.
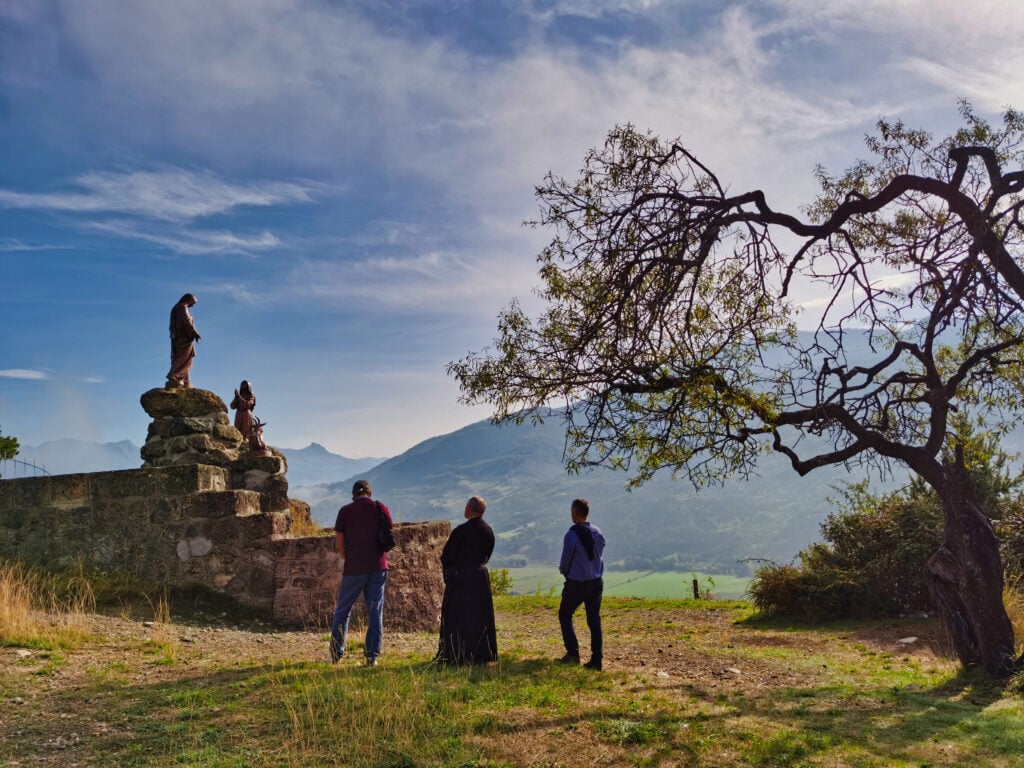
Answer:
(244, 403)
(257, 445)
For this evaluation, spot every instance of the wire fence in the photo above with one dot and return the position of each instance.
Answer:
(12, 468)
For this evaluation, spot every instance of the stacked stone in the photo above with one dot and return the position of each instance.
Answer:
(190, 426)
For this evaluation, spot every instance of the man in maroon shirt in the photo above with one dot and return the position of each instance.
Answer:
(364, 572)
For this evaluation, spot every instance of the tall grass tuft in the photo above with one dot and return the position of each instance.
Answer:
(1013, 599)
(392, 717)
(37, 611)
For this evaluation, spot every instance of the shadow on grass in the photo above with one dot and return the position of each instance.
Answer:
(246, 715)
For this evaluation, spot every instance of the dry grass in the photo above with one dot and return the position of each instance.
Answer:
(1013, 599)
(34, 612)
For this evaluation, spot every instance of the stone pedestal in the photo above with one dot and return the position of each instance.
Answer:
(191, 426)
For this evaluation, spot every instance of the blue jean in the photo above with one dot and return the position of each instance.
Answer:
(371, 587)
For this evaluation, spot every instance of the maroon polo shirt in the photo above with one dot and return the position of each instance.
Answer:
(357, 522)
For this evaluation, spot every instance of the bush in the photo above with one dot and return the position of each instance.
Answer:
(1010, 530)
(871, 563)
(501, 581)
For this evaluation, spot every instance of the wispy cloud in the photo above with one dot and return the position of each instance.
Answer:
(170, 195)
(14, 246)
(94, 380)
(436, 282)
(23, 373)
(189, 240)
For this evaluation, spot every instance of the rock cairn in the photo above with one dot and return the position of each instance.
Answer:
(191, 426)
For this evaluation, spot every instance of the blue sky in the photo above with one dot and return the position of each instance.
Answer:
(342, 184)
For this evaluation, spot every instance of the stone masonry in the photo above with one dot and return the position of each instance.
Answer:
(203, 513)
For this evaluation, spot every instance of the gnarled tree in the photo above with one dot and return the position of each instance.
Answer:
(669, 331)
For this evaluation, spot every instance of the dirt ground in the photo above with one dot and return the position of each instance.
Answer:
(707, 648)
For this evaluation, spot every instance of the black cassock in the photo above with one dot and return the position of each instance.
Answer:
(468, 635)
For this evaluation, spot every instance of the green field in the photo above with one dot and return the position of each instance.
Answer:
(672, 584)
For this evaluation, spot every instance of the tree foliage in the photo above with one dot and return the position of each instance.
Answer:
(8, 447)
(669, 334)
(669, 330)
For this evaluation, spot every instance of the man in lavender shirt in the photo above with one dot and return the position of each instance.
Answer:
(583, 568)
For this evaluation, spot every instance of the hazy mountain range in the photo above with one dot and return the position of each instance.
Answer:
(306, 466)
(665, 525)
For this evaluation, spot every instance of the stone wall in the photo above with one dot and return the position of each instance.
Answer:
(206, 511)
(308, 572)
(190, 525)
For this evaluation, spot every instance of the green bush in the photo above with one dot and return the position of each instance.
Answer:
(870, 564)
(501, 581)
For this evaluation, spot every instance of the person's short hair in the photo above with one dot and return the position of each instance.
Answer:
(477, 504)
(361, 488)
(188, 298)
(581, 507)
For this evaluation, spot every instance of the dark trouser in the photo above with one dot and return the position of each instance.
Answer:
(589, 594)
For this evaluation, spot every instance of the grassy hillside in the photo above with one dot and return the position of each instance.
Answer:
(664, 526)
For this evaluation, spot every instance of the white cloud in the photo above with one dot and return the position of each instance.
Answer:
(94, 380)
(435, 282)
(173, 194)
(23, 373)
(955, 48)
(189, 241)
(10, 245)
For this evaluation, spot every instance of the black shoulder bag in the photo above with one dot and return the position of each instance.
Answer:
(385, 536)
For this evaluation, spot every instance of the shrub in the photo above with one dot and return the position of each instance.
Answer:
(501, 581)
(870, 564)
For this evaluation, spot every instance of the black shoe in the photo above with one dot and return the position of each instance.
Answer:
(593, 664)
(569, 658)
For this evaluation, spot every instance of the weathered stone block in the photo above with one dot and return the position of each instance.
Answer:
(243, 531)
(199, 442)
(181, 402)
(69, 490)
(158, 428)
(269, 465)
(282, 521)
(227, 432)
(6, 497)
(223, 504)
(166, 511)
(31, 491)
(275, 493)
(153, 449)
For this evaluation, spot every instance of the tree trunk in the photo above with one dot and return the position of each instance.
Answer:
(965, 579)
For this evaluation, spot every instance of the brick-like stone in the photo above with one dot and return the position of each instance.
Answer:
(224, 503)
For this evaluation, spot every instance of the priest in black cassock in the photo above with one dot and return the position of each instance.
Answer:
(468, 635)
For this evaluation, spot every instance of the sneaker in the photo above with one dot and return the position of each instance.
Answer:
(569, 658)
(593, 664)
(371, 661)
